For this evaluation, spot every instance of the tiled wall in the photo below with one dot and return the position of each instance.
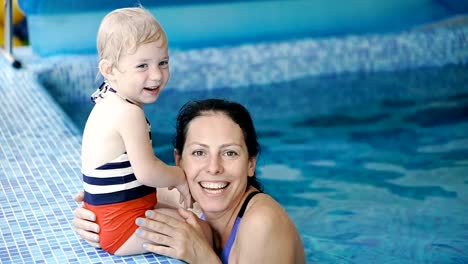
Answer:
(277, 62)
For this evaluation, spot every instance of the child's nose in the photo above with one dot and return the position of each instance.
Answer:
(156, 74)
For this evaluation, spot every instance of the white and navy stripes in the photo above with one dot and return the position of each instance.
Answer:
(113, 182)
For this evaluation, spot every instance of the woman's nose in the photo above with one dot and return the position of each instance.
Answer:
(215, 165)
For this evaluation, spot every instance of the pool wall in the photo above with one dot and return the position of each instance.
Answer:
(65, 27)
(279, 62)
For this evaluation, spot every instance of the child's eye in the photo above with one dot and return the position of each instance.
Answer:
(142, 66)
(164, 63)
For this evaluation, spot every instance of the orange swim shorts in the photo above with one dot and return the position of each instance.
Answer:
(117, 221)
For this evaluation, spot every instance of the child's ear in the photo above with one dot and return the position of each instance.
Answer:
(105, 67)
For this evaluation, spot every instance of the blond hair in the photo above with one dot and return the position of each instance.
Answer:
(123, 30)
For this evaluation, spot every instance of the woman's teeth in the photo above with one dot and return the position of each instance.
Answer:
(214, 187)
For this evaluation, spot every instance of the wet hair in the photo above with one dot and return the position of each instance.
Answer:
(124, 30)
(235, 111)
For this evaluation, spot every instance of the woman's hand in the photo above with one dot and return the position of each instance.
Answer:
(84, 223)
(184, 239)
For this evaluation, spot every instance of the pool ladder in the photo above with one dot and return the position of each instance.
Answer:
(7, 50)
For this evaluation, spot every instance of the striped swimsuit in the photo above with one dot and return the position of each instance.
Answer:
(113, 193)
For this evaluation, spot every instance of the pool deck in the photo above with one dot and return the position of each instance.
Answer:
(39, 174)
(40, 146)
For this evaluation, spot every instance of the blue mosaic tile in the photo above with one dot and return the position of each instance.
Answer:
(39, 174)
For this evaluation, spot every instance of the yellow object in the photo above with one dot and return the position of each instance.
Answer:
(18, 15)
(16, 40)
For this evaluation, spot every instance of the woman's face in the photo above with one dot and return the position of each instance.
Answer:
(216, 162)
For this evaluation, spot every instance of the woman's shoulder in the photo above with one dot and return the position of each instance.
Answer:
(263, 202)
(264, 228)
(265, 213)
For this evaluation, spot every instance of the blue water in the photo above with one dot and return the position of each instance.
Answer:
(372, 168)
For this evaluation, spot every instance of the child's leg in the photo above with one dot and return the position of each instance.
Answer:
(134, 245)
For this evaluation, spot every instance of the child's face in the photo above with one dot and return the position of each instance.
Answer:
(140, 77)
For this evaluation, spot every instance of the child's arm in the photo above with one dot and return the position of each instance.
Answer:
(148, 169)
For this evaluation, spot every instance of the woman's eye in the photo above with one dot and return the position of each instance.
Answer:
(230, 153)
(197, 153)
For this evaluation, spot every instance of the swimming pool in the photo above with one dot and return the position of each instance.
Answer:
(371, 167)
(364, 142)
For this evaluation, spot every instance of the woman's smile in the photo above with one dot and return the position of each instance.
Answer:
(213, 187)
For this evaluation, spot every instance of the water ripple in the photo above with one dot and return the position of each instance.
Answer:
(454, 145)
(279, 172)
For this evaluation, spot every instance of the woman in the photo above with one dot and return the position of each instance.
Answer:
(216, 145)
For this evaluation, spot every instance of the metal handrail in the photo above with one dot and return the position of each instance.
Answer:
(7, 50)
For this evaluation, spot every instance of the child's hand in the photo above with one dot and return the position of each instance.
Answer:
(185, 195)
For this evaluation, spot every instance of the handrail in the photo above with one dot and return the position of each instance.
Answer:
(7, 50)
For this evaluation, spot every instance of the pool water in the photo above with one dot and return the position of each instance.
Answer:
(372, 168)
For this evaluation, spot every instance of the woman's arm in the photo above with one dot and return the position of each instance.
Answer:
(188, 240)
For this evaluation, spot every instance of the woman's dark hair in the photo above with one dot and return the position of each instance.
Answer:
(238, 114)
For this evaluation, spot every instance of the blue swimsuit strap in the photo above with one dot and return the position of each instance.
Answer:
(227, 248)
